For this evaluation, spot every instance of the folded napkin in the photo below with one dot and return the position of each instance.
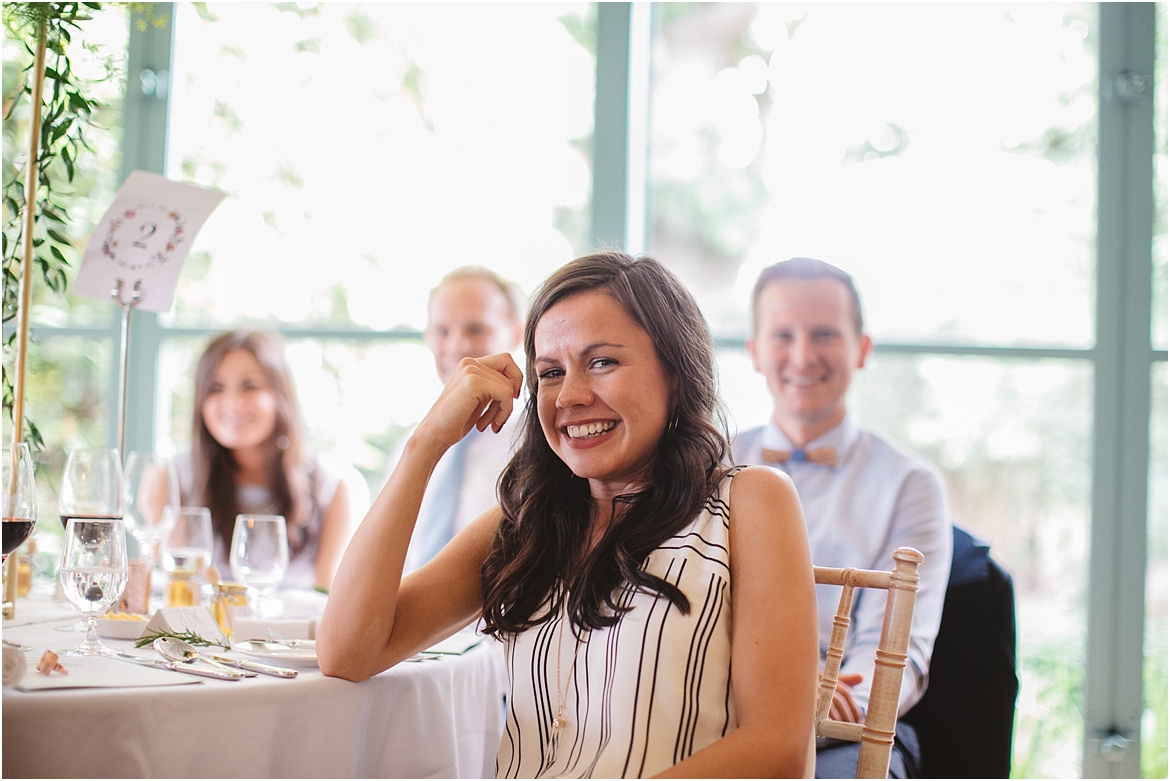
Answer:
(289, 628)
(302, 603)
(15, 666)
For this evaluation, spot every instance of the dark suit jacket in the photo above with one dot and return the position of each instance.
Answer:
(964, 720)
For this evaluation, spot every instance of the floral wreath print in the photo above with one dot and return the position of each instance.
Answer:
(147, 229)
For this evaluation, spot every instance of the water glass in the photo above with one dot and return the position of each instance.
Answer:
(188, 543)
(91, 485)
(259, 554)
(150, 484)
(93, 574)
(91, 490)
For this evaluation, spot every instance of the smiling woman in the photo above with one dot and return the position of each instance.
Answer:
(239, 409)
(247, 456)
(621, 539)
(602, 393)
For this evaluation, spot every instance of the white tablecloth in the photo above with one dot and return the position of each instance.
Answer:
(432, 719)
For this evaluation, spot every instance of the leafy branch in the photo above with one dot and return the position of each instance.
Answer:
(189, 635)
(65, 115)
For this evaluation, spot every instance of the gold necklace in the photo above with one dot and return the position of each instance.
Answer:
(559, 721)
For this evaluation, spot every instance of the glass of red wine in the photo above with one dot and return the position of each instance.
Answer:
(20, 496)
(91, 490)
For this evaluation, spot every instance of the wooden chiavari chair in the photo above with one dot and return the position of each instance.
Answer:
(876, 734)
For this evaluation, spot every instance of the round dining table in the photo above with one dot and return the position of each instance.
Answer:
(437, 717)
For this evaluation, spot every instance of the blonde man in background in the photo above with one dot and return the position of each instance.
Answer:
(471, 313)
(862, 496)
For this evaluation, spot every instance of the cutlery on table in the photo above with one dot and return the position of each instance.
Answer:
(203, 672)
(180, 651)
(278, 639)
(256, 667)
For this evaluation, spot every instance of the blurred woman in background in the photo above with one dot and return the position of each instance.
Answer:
(247, 456)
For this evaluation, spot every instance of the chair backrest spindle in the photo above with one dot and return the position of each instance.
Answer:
(877, 733)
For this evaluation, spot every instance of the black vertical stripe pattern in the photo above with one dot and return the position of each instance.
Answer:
(643, 694)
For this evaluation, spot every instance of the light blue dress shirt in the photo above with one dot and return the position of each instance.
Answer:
(471, 474)
(878, 498)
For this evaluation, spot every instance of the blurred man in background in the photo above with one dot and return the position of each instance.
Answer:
(471, 313)
(862, 496)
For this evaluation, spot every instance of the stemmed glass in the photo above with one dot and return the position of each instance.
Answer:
(91, 486)
(151, 483)
(20, 497)
(91, 490)
(93, 574)
(188, 543)
(259, 555)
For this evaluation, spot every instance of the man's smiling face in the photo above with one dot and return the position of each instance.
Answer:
(806, 346)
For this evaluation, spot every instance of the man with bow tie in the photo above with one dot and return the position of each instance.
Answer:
(862, 496)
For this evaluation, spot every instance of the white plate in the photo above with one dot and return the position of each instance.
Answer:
(279, 655)
(118, 629)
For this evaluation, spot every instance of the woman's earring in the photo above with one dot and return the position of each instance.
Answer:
(672, 426)
(282, 442)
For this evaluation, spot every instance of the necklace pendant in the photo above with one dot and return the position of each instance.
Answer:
(558, 723)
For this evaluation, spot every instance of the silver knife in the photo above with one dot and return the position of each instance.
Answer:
(202, 672)
(245, 664)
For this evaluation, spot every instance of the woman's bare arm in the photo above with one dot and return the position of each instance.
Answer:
(374, 618)
(774, 636)
(335, 534)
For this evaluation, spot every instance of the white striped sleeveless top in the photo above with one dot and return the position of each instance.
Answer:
(643, 694)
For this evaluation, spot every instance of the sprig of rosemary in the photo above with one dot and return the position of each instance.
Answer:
(189, 636)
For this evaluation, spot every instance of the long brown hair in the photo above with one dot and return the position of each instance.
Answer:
(214, 468)
(547, 509)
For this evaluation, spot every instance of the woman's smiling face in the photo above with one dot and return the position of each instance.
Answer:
(240, 408)
(603, 395)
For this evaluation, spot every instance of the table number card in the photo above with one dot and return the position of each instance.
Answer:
(143, 240)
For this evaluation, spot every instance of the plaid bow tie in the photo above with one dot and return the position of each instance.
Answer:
(826, 455)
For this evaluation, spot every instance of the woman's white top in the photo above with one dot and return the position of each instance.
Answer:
(641, 695)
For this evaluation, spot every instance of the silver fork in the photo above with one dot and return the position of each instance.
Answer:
(278, 638)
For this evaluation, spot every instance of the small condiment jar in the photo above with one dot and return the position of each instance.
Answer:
(182, 589)
(228, 600)
(24, 576)
(24, 568)
(136, 596)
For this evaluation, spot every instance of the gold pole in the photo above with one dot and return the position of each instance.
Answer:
(22, 312)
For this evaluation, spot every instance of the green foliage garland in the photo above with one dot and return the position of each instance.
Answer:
(65, 114)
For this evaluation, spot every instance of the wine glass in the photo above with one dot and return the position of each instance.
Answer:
(91, 490)
(188, 543)
(91, 486)
(20, 497)
(150, 484)
(93, 574)
(259, 554)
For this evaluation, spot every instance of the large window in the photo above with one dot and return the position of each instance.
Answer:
(944, 153)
